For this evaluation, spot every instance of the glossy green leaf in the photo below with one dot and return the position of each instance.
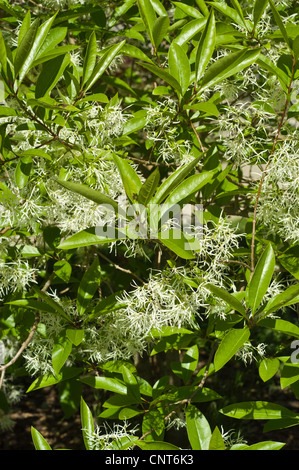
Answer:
(175, 240)
(75, 336)
(129, 176)
(232, 301)
(268, 368)
(89, 193)
(265, 445)
(88, 286)
(26, 23)
(174, 180)
(189, 31)
(106, 383)
(50, 74)
(63, 270)
(216, 441)
(49, 380)
(22, 171)
(288, 297)
(86, 237)
(198, 428)
(33, 304)
(39, 441)
(179, 66)
(227, 66)
(106, 305)
(164, 75)
(185, 368)
(206, 46)
(132, 384)
(90, 58)
(160, 28)
(3, 54)
(230, 344)
(203, 7)
(188, 9)
(261, 279)
(257, 410)
(258, 10)
(279, 22)
(186, 189)
(103, 64)
(31, 45)
(156, 445)
(149, 187)
(283, 326)
(52, 303)
(22, 58)
(61, 350)
(235, 15)
(87, 424)
(289, 375)
(148, 16)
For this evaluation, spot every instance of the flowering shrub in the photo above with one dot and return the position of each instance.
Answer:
(149, 216)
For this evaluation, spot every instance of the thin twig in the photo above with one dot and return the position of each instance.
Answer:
(128, 271)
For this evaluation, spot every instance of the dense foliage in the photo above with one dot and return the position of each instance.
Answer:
(149, 217)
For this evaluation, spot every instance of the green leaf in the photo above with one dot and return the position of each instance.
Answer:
(31, 45)
(160, 29)
(106, 305)
(198, 428)
(89, 193)
(283, 326)
(51, 72)
(235, 15)
(227, 66)
(261, 279)
(179, 66)
(288, 297)
(164, 75)
(232, 301)
(61, 350)
(106, 383)
(48, 380)
(22, 171)
(39, 441)
(103, 64)
(22, 58)
(174, 180)
(279, 23)
(75, 336)
(265, 445)
(205, 47)
(130, 178)
(189, 31)
(33, 305)
(149, 187)
(188, 9)
(289, 375)
(216, 441)
(257, 410)
(187, 366)
(132, 384)
(258, 10)
(86, 237)
(3, 54)
(88, 286)
(24, 27)
(230, 344)
(268, 368)
(87, 423)
(156, 445)
(175, 240)
(63, 270)
(90, 58)
(52, 303)
(148, 16)
(186, 190)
